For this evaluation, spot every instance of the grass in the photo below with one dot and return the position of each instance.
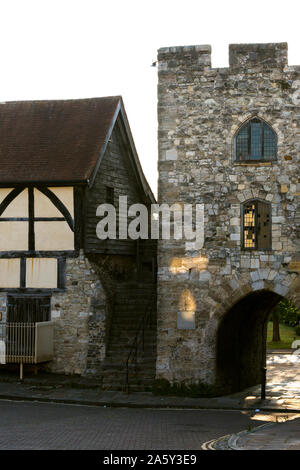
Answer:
(287, 336)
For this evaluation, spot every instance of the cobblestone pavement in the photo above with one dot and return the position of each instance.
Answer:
(282, 432)
(283, 381)
(42, 426)
(283, 375)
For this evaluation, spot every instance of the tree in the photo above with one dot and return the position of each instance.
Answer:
(288, 313)
(276, 331)
(284, 312)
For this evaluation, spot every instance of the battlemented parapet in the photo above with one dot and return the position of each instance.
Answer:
(258, 55)
(228, 138)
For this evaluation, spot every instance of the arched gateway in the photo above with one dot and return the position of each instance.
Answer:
(228, 140)
(241, 335)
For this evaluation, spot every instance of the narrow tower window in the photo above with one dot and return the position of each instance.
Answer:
(256, 229)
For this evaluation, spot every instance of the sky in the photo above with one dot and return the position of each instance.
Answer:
(69, 49)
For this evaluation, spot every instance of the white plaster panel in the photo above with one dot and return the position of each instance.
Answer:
(43, 207)
(18, 207)
(41, 273)
(53, 236)
(4, 192)
(13, 236)
(66, 196)
(10, 273)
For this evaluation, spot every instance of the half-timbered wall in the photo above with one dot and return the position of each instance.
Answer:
(36, 230)
(49, 251)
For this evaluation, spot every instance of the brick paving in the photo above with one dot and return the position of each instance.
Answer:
(52, 426)
(44, 426)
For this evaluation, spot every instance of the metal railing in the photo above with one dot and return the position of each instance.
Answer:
(26, 343)
(139, 339)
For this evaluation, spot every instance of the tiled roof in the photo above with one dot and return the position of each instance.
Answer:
(53, 141)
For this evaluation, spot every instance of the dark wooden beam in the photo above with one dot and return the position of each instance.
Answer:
(58, 204)
(9, 198)
(31, 236)
(39, 254)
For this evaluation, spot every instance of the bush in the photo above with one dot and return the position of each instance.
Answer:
(288, 313)
(297, 330)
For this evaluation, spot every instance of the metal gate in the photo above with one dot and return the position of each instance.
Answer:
(27, 335)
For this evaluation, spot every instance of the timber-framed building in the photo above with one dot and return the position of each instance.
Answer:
(59, 160)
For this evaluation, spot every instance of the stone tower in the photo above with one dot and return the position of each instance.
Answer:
(229, 138)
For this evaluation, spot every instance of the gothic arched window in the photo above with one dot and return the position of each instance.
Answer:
(256, 225)
(255, 141)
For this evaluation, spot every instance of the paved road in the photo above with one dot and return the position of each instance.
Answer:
(41, 426)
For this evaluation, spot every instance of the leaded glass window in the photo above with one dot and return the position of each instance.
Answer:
(255, 141)
(256, 230)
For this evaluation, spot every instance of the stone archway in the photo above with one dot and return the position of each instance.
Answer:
(242, 328)
(241, 341)
(238, 319)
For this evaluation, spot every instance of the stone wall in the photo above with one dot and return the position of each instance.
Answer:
(3, 307)
(79, 314)
(84, 313)
(199, 111)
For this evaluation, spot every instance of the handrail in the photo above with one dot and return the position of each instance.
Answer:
(140, 335)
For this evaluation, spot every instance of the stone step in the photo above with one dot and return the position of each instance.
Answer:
(119, 385)
(118, 376)
(112, 376)
(133, 378)
(132, 301)
(132, 387)
(124, 344)
(112, 360)
(142, 364)
(134, 371)
(136, 283)
(140, 301)
(130, 330)
(128, 293)
(135, 383)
